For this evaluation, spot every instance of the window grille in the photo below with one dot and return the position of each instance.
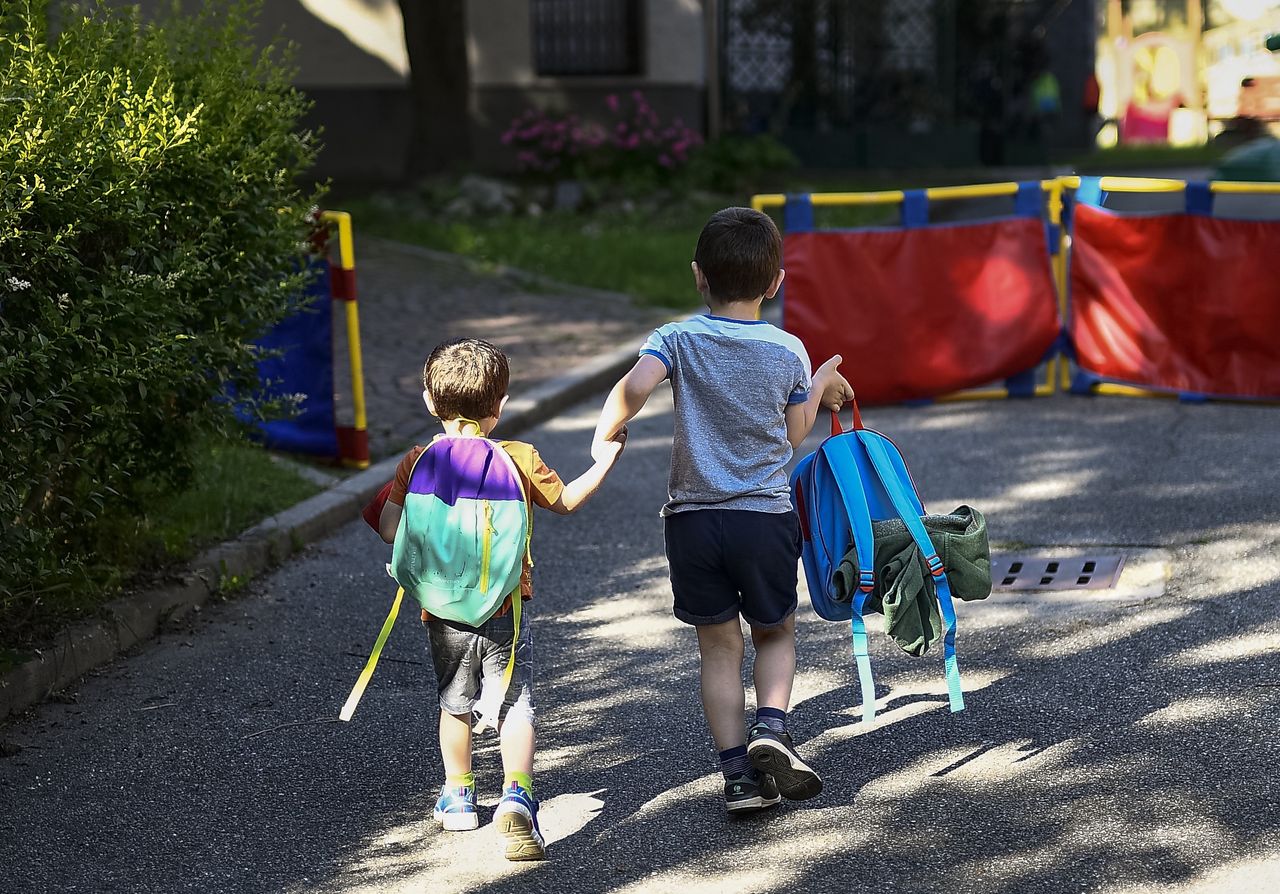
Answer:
(586, 37)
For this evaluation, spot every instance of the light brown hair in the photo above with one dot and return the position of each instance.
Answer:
(466, 378)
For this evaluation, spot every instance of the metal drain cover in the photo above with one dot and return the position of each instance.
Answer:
(1039, 572)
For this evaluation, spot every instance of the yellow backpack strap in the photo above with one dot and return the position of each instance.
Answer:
(367, 674)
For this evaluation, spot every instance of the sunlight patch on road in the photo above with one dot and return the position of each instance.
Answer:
(1096, 635)
(418, 856)
(1237, 648)
(974, 681)
(1199, 709)
(1247, 876)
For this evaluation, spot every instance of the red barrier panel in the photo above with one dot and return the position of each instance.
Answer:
(1177, 302)
(919, 313)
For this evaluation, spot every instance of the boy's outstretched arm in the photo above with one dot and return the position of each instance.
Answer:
(628, 397)
(829, 389)
(583, 488)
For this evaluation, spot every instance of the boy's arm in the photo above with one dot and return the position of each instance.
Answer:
(583, 488)
(829, 389)
(389, 521)
(628, 397)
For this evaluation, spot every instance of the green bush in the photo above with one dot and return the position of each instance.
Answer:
(740, 164)
(151, 229)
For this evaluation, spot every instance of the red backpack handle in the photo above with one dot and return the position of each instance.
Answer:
(857, 419)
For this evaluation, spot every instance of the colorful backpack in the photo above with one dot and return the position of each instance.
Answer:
(462, 542)
(843, 492)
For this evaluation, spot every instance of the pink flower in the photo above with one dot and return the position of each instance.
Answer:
(666, 161)
(612, 102)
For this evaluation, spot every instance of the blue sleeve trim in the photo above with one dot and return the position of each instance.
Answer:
(798, 397)
(653, 353)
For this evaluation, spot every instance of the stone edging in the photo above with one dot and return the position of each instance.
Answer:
(138, 617)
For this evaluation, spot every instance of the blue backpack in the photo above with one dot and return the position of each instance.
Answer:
(855, 479)
(461, 544)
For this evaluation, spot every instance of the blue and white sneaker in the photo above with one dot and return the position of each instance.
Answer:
(517, 819)
(456, 808)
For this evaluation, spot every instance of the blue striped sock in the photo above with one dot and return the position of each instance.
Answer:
(734, 761)
(774, 718)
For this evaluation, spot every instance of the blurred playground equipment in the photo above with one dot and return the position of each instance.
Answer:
(310, 343)
(1179, 303)
(1169, 75)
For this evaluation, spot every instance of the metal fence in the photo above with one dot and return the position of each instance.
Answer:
(868, 79)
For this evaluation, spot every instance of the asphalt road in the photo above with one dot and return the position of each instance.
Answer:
(1116, 741)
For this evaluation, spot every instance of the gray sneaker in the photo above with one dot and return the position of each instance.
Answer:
(774, 754)
(745, 793)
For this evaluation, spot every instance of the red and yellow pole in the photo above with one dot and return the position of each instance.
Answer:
(353, 442)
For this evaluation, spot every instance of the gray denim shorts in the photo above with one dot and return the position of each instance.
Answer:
(467, 659)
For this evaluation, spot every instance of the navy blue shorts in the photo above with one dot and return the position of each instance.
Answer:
(726, 562)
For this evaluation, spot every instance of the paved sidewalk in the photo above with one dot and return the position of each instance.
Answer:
(412, 299)
(1115, 742)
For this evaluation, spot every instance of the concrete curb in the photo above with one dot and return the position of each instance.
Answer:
(138, 617)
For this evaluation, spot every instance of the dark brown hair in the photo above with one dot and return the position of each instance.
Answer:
(466, 378)
(739, 252)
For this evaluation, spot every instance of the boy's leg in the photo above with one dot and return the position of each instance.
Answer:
(769, 744)
(775, 666)
(517, 813)
(455, 744)
(767, 575)
(723, 701)
(452, 657)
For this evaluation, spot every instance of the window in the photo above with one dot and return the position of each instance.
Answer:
(586, 37)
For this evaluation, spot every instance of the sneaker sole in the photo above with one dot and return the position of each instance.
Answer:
(458, 822)
(756, 803)
(523, 843)
(796, 780)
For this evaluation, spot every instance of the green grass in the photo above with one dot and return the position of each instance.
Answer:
(1129, 157)
(237, 485)
(645, 254)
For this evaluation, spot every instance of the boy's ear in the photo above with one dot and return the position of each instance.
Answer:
(777, 283)
(502, 404)
(431, 407)
(699, 279)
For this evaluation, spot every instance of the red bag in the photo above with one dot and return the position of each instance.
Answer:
(373, 512)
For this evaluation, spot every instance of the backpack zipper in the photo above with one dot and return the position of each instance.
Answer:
(486, 546)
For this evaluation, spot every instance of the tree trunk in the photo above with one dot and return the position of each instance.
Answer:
(435, 36)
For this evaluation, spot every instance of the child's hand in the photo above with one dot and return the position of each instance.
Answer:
(607, 452)
(836, 390)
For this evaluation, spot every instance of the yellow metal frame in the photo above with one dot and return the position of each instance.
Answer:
(1053, 187)
(341, 220)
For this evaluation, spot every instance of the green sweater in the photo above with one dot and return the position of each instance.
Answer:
(904, 592)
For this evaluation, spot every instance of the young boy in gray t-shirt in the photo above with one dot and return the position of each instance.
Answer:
(744, 400)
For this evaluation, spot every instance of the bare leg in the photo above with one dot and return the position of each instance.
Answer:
(775, 667)
(517, 739)
(723, 700)
(455, 743)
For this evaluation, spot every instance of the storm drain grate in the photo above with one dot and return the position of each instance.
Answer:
(1086, 572)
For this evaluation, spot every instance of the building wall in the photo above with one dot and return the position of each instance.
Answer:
(505, 82)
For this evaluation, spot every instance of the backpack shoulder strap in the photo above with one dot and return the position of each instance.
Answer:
(893, 477)
(838, 454)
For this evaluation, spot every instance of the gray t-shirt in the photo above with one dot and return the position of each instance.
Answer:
(732, 381)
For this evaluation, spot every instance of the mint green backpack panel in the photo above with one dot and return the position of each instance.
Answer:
(464, 532)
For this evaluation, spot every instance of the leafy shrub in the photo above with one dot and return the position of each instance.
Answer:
(739, 164)
(151, 229)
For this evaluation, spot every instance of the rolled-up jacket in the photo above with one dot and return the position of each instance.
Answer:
(904, 591)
